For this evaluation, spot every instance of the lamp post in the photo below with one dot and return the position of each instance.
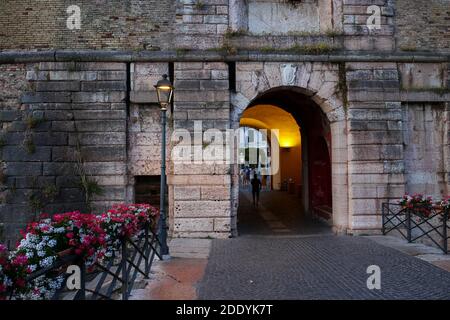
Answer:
(164, 90)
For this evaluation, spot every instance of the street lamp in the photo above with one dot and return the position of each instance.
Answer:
(164, 90)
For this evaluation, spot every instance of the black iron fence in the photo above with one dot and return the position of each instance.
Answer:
(417, 223)
(112, 278)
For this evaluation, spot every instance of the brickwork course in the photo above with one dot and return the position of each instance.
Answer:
(77, 103)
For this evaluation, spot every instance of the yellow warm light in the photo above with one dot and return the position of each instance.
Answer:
(287, 142)
(275, 118)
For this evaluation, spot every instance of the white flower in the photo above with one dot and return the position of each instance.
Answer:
(41, 253)
(46, 262)
(52, 243)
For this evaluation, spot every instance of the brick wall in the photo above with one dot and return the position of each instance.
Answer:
(112, 24)
(202, 24)
(423, 25)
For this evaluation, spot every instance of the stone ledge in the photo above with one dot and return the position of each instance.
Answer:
(9, 57)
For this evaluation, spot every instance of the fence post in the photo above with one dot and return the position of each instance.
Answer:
(124, 271)
(408, 224)
(383, 212)
(82, 295)
(146, 256)
(444, 231)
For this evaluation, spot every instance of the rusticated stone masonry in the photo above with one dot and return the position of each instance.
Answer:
(53, 112)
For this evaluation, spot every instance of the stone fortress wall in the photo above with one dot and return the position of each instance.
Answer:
(386, 93)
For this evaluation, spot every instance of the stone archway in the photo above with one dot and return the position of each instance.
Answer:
(317, 83)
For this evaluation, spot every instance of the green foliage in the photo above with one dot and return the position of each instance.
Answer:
(408, 48)
(50, 192)
(41, 197)
(2, 175)
(437, 90)
(181, 51)
(199, 5)
(333, 33)
(35, 202)
(235, 33)
(314, 49)
(29, 145)
(342, 84)
(33, 122)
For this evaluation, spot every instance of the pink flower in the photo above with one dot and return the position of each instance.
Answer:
(20, 260)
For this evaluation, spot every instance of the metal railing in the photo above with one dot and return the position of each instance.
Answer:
(412, 225)
(116, 275)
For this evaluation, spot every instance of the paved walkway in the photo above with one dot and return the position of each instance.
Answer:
(277, 213)
(316, 267)
(281, 254)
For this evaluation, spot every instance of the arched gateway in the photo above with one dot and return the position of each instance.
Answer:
(309, 92)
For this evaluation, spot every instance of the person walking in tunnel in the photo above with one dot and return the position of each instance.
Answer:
(256, 188)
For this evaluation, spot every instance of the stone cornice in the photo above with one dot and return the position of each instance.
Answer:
(8, 57)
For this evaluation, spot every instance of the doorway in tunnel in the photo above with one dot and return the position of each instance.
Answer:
(285, 140)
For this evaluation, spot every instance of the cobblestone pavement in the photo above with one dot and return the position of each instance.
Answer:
(316, 267)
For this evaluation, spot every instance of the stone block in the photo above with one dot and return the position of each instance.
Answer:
(364, 152)
(421, 75)
(364, 206)
(62, 154)
(49, 139)
(72, 76)
(217, 19)
(222, 224)
(10, 115)
(100, 66)
(186, 192)
(192, 74)
(375, 137)
(19, 153)
(102, 125)
(214, 85)
(39, 97)
(105, 168)
(99, 115)
(201, 209)
(104, 153)
(108, 138)
(103, 86)
(23, 169)
(111, 193)
(392, 152)
(61, 169)
(33, 182)
(63, 126)
(111, 76)
(215, 192)
(365, 222)
(93, 97)
(193, 225)
(57, 86)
